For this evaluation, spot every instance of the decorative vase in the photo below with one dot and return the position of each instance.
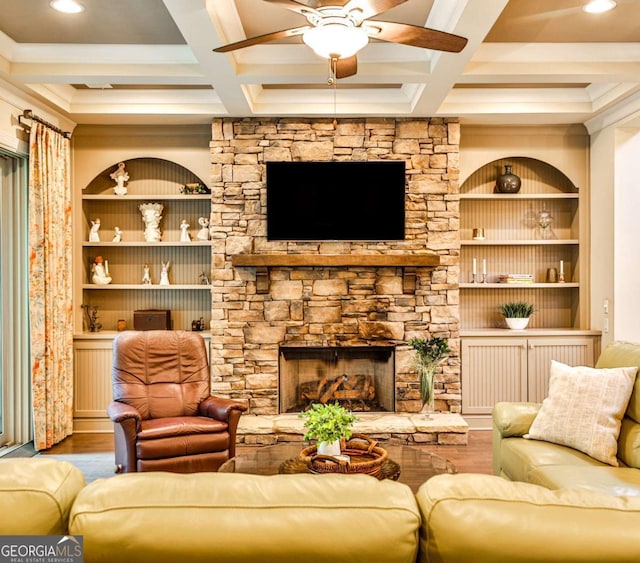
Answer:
(329, 448)
(507, 183)
(517, 323)
(427, 374)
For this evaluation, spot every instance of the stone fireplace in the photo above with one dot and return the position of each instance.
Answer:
(271, 298)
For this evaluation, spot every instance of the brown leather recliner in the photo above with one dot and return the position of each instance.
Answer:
(165, 417)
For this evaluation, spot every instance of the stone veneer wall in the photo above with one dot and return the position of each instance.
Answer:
(332, 306)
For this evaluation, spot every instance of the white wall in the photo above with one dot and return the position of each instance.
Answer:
(626, 243)
(615, 232)
(602, 220)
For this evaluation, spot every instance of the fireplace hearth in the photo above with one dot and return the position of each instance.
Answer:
(360, 378)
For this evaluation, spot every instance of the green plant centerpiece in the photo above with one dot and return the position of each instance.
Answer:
(328, 424)
(429, 353)
(517, 314)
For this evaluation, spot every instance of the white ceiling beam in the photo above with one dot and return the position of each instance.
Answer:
(473, 20)
(108, 73)
(196, 21)
(565, 71)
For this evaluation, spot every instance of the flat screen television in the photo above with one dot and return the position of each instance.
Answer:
(336, 200)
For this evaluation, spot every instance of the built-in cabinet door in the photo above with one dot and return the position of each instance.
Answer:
(493, 370)
(573, 351)
(92, 391)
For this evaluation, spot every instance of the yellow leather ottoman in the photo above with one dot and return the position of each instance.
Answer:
(36, 495)
(231, 517)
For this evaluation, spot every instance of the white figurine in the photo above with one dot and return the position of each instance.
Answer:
(151, 215)
(117, 234)
(185, 236)
(120, 176)
(203, 233)
(94, 235)
(100, 271)
(164, 274)
(146, 277)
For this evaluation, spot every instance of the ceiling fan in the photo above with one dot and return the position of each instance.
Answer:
(338, 29)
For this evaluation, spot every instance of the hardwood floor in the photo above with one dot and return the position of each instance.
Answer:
(472, 458)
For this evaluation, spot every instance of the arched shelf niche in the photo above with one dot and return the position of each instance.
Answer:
(151, 176)
(538, 177)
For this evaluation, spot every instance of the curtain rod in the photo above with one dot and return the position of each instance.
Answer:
(28, 114)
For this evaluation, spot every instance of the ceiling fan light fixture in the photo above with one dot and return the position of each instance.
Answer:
(336, 39)
(67, 6)
(599, 6)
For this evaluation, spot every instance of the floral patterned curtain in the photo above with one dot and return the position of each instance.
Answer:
(50, 290)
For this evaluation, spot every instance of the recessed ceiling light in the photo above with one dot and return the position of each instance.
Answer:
(599, 6)
(67, 6)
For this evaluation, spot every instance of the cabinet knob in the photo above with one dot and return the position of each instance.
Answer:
(531, 346)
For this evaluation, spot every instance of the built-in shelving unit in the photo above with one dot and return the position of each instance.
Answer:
(506, 365)
(515, 243)
(150, 180)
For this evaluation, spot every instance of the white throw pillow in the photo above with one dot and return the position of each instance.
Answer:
(584, 409)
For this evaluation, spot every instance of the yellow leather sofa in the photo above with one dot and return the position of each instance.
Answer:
(233, 518)
(547, 502)
(554, 466)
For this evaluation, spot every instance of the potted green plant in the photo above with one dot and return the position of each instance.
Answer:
(429, 353)
(517, 314)
(328, 424)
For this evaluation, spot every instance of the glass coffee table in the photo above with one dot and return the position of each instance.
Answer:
(407, 464)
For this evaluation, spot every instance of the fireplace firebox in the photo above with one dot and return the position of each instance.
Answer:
(362, 378)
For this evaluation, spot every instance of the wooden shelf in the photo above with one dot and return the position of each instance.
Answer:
(517, 242)
(337, 260)
(466, 332)
(141, 243)
(499, 197)
(142, 197)
(111, 334)
(564, 285)
(145, 287)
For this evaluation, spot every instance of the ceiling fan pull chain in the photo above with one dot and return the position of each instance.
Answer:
(333, 81)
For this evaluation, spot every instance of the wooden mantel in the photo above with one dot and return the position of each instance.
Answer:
(330, 260)
(262, 263)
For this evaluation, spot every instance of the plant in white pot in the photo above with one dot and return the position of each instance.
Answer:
(328, 424)
(516, 314)
(429, 353)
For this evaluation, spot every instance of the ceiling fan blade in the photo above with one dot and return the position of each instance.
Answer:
(415, 36)
(370, 8)
(346, 67)
(258, 39)
(294, 6)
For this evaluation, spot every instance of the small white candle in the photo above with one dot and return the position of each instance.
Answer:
(106, 267)
(562, 267)
(474, 266)
(484, 267)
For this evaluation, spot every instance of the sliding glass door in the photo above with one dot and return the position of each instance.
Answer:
(15, 418)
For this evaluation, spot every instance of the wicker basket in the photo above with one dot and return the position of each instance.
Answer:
(365, 456)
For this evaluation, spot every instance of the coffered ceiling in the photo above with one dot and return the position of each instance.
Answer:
(152, 61)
